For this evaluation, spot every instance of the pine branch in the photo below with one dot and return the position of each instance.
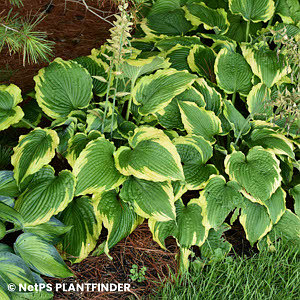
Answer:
(20, 36)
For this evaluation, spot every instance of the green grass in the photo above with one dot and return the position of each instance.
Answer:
(262, 276)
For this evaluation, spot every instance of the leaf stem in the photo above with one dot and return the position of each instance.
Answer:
(28, 123)
(247, 31)
(233, 98)
(129, 103)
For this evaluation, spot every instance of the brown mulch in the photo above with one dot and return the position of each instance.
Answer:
(74, 30)
(140, 249)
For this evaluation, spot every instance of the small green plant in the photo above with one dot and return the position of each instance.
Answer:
(138, 274)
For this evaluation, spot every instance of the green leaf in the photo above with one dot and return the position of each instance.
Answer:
(135, 68)
(167, 43)
(170, 23)
(152, 156)
(95, 168)
(199, 121)
(2, 229)
(276, 205)
(14, 270)
(238, 28)
(253, 10)
(150, 199)
(96, 67)
(273, 140)
(295, 192)
(201, 60)
(154, 92)
(266, 64)
(255, 221)
(288, 10)
(287, 229)
(77, 144)
(50, 231)
(95, 120)
(62, 87)
(194, 152)
(218, 199)
(239, 123)
(211, 96)
(178, 57)
(170, 116)
(258, 102)
(233, 73)
(258, 173)
(215, 243)
(84, 234)
(9, 214)
(188, 228)
(8, 185)
(41, 256)
(212, 19)
(10, 113)
(34, 150)
(118, 218)
(46, 196)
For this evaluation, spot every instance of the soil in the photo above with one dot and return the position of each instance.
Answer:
(74, 30)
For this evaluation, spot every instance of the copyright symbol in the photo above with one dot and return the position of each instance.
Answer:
(11, 287)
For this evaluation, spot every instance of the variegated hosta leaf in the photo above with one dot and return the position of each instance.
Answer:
(14, 270)
(212, 19)
(287, 230)
(135, 68)
(253, 10)
(201, 60)
(273, 140)
(167, 43)
(258, 102)
(8, 185)
(152, 156)
(178, 57)
(118, 218)
(50, 231)
(95, 120)
(238, 27)
(62, 87)
(40, 256)
(188, 228)
(154, 92)
(288, 10)
(258, 173)
(216, 247)
(65, 131)
(171, 22)
(198, 121)
(239, 123)
(10, 113)
(255, 221)
(95, 168)
(34, 150)
(46, 196)
(295, 192)
(9, 214)
(84, 234)
(233, 72)
(77, 143)
(276, 205)
(150, 199)
(170, 116)
(212, 97)
(266, 64)
(96, 67)
(179, 188)
(218, 199)
(194, 152)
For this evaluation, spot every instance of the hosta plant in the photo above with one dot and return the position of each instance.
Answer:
(177, 132)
